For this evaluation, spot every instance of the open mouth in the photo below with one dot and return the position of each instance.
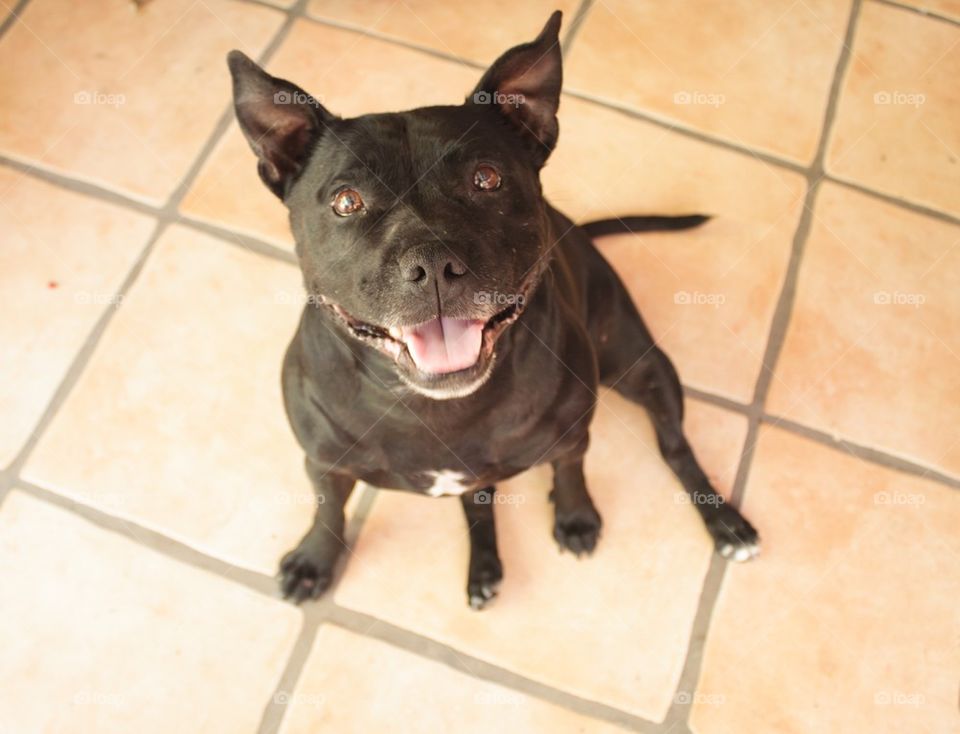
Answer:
(441, 348)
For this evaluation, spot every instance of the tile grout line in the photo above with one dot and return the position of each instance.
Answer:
(164, 216)
(265, 4)
(315, 613)
(639, 114)
(158, 541)
(644, 115)
(329, 611)
(323, 611)
(682, 129)
(573, 27)
(153, 540)
(385, 37)
(15, 12)
(922, 12)
(862, 452)
(716, 400)
(268, 249)
(227, 235)
(911, 206)
(689, 679)
(82, 357)
(476, 668)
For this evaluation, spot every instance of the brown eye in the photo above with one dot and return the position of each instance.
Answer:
(347, 202)
(486, 178)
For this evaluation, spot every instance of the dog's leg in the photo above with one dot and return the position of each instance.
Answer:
(652, 381)
(576, 525)
(307, 570)
(485, 573)
(632, 364)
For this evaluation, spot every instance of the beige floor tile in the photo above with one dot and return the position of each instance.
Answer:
(947, 8)
(474, 31)
(873, 345)
(708, 294)
(177, 422)
(897, 127)
(119, 96)
(53, 289)
(351, 75)
(849, 621)
(756, 74)
(613, 628)
(100, 635)
(347, 673)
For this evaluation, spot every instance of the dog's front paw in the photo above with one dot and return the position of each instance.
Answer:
(304, 575)
(578, 530)
(734, 538)
(483, 581)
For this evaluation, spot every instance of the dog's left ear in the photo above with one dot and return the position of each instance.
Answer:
(280, 121)
(524, 86)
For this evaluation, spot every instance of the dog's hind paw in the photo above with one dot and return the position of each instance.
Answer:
(578, 531)
(735, 539)
(302, 577)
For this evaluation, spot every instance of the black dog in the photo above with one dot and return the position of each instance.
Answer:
(457, 326)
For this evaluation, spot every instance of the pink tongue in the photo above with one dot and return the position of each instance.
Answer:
(444, 345)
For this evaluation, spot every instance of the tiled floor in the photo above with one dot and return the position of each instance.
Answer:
(150, 483)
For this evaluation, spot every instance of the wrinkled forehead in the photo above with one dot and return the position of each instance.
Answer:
(398, 149)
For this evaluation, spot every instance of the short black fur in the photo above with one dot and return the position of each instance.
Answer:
(426, 242)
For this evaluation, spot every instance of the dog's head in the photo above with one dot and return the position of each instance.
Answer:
(425, 231)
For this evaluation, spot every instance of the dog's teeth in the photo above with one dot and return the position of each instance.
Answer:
(395, 332)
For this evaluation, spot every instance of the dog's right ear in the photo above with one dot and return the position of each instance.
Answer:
(280, 121)
(524, 86)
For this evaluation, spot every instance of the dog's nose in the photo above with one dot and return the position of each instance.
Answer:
(424, 268)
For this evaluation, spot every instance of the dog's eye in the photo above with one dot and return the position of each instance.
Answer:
(486, 178)
(347, 202)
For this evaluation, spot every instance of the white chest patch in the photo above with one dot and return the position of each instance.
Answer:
(446, 482)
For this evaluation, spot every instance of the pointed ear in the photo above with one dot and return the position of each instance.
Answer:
(280, 121)
(524, 86)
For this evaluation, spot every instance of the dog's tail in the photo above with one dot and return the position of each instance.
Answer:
(650, 223)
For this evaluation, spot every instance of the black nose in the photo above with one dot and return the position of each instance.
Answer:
(425, 267)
